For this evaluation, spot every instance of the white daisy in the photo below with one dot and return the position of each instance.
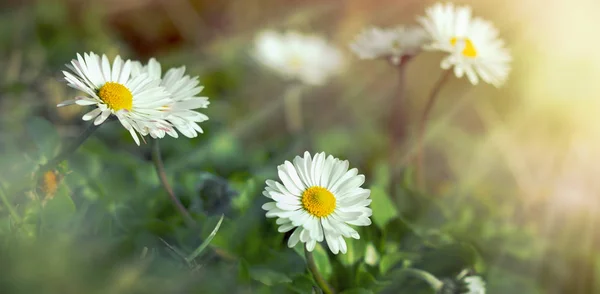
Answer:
(183, 90)
(309, 59)
(319, 199)
(475, 284)
(135, 101)
(392, 44)
(472, 43)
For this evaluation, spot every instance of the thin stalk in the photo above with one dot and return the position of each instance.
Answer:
(397, 124)
(13, 212)
(423, 124)
(397, 115)
(162, 175)
(434, 282)
(312, 266)
(293, 109)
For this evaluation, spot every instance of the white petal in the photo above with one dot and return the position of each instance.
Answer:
(100, 119)
(92, 114)
(310, 245)
(286, 178)
(294, 238)
(342, 244)
(285, 228)
(332, 243)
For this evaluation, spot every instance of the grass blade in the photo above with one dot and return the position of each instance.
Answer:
(206, 242)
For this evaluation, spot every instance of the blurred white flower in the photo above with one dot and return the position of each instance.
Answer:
(392, 43)
(135, 101)
(475, 284)
(183, 90)
(472, 43)
(319, 199)
(309, 59)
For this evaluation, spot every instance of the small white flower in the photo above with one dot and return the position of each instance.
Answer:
(392, 43)
(309, 59)
(475, 284)
(472, 43)
(183, 90)
(135, 101)
(319, 199)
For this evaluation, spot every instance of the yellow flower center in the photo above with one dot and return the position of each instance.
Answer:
(468, 50)
(318, 201)
(49, 183)
(116, 96)
(295, 62)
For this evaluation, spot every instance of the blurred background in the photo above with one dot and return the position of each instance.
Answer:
(510, 171)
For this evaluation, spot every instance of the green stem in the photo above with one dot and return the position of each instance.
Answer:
(293, 109)
(434, 282)
(312, 266)
(162, 175)
(9, 206)
(397, 124)
(423, 123)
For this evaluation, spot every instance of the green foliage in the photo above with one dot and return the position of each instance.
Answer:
(110, 227)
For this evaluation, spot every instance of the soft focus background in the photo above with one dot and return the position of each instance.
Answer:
(512, 173)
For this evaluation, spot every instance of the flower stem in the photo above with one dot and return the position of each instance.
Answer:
(312, 266)
(434, 282)
(70, 149)
(9, 206)
(293, 109)
(398, 122)
(160, 171)
(423, 123)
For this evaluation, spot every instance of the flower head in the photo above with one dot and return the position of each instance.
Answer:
(392, 44)
(308, 59)
(464, 283)
(472, 44)
(475, 284)
(135, 101)
(318, 198)
(183, 91)
(49, 183)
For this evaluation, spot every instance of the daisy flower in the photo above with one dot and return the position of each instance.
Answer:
(318, 198)
(183, 90)
(475, 284)
(135, 101)
(472, 44)
(308, 59)
(392, 43)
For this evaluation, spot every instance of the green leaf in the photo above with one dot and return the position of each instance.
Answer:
(59, 210)
(383, 208)
(356, 251)
(301, 284)
(365, 279)
(390, 260)
(268, 277)
(248, 192)
(206, 242)
(358, 291)
(244, 271)
(45, 137)
(452, 258)
(322, 261)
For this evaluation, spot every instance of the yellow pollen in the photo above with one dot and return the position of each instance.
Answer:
(116, 96)
(49, 183)
(468, 50)
(318, 201)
